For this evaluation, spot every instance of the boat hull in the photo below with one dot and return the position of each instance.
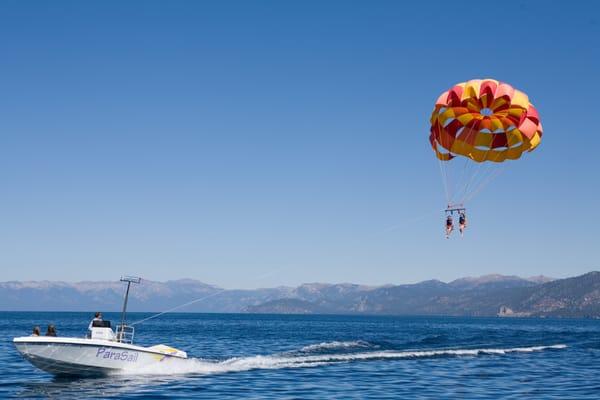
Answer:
(85, 357)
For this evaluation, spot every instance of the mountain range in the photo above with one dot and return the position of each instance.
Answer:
(490, 295)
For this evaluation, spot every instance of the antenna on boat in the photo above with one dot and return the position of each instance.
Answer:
(129, 280)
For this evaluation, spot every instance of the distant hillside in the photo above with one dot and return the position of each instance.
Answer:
(488, 295)
(149, 296)
(485, 296)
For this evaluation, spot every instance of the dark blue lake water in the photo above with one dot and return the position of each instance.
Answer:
(324, 357)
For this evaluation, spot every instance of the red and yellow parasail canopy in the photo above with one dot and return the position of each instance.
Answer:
(484, 120)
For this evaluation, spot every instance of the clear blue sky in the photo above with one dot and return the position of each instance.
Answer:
(259, 143)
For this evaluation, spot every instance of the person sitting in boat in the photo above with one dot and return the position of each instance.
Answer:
(51, 330)
(97, 317)
(36, 331)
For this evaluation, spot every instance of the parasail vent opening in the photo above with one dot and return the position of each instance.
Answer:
(486, 111)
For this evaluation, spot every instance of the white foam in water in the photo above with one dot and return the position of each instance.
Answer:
(334, 345)
(237, 364)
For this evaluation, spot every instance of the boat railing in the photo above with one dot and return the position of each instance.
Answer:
(125, 333)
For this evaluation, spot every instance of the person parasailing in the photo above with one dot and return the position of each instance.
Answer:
(449, 226)
(462, 222)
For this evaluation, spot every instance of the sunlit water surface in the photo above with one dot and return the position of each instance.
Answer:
(318, 357)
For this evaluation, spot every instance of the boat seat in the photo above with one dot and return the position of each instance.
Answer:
(102, 333)
(100, 324)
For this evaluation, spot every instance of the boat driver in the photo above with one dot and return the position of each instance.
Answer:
(97, 317)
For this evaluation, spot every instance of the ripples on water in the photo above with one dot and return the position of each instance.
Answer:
(317, 357)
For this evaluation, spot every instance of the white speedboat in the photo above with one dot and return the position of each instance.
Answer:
(104, 351)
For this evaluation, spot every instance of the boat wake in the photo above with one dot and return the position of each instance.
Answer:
(304, 359)
(335, 345)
